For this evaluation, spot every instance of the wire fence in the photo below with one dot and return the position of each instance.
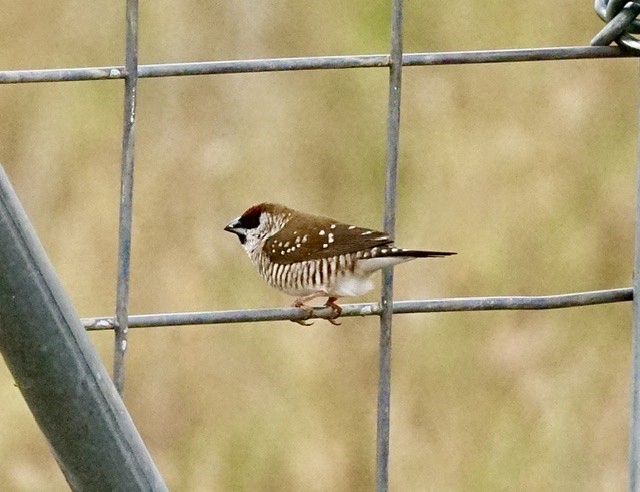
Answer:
(620, 25)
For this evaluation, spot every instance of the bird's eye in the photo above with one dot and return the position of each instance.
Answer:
(251, 218)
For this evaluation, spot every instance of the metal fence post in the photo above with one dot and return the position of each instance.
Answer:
(60, 375)
(634, 436)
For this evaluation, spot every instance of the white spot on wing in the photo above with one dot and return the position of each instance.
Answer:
(352, 227)
(333, 226)
(330, 237)
(321, 232)
(325, 245)
(366, 233)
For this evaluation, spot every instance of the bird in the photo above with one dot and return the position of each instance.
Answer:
(310, 256)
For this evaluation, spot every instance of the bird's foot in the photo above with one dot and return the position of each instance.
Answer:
(337, 310)
(308, 309)
(331, 303)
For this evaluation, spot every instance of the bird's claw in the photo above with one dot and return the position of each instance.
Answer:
(337, 311)
(308, 309)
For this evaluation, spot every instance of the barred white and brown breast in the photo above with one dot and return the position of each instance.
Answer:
(310, 256)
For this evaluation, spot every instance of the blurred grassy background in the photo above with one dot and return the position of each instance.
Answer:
(527, 170)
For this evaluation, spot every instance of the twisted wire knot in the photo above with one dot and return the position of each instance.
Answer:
(620, 16)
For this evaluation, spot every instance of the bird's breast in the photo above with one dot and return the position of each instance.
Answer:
(339, 276)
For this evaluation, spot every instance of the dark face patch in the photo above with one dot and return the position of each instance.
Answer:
(251, 218)
(246, 222)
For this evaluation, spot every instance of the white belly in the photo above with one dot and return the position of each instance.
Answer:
(360, 282)
(350, 285)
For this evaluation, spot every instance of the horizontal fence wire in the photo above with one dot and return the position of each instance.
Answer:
(314, 63)
(462, 304)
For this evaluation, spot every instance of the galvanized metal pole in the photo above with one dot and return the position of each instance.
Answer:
(126, 195)
(49, 354)
(634, 437)
(393, 139)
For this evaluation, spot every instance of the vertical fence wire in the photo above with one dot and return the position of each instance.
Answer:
(126, 195)
(634, 432)
(393, 137)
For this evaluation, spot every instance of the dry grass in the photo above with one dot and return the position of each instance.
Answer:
(527, 170)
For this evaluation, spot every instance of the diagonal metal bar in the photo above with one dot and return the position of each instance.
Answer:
(313, 63)
(386, 302)
(126, 196)
(504, 303)
(57, 369)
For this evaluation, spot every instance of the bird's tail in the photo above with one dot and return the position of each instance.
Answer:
(415, 253)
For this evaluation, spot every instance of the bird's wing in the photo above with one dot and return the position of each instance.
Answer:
(309, 237)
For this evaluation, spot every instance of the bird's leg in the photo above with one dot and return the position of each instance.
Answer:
(300, 303)
(337, 310)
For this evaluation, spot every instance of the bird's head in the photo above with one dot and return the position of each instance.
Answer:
(258, 223)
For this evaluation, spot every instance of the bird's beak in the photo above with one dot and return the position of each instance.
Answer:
(235, 227)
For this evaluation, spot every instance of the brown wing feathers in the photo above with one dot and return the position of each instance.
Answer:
(306, 237)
